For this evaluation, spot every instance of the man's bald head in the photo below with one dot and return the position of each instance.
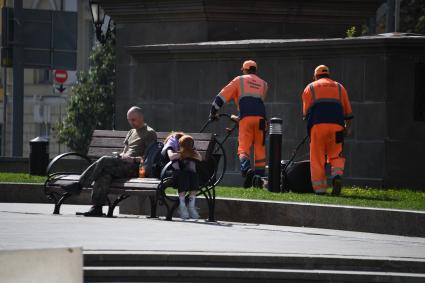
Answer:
(135, 109)
(135, 117)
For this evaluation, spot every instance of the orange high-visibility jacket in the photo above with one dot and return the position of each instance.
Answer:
(248, 92)
(326, 101)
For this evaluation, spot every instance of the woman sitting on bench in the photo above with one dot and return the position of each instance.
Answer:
(180, 147)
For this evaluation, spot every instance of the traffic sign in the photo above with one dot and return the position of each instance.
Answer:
(60, 76)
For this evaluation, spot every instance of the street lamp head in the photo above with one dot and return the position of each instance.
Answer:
(98, 17)
(97, 12)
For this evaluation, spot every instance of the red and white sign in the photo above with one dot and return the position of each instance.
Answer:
(60, 76)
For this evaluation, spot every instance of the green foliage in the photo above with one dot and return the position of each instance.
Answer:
(353, 196)
(365, 29)
(412, 16)
(91, 106)
(351, 32)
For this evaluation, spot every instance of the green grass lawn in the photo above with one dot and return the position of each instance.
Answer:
(355, 196)
(21, 178)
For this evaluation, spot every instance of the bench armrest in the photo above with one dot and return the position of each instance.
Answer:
(61, 156)
(168, 166)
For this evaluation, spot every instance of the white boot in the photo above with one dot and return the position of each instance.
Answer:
(183, 212)
(193, 212)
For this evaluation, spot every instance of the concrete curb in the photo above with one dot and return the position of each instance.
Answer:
(33, 193)
(351, 218)
(384, 221)
(362, 219)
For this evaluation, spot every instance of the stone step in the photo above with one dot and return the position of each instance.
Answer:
(244, 260)
(236, 275)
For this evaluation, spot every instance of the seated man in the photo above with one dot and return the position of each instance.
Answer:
(126, 165)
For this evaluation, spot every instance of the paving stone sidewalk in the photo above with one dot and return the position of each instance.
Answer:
(26, 226)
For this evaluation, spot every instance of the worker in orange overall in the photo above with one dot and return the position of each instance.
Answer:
(248, 91)
(328, 113)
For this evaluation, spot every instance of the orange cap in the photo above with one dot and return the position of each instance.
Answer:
(321, 70)
(248, 64)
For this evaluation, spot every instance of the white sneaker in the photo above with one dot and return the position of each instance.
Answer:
(193, 213)
(183, 212)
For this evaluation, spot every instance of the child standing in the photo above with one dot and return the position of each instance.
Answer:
(179, 146)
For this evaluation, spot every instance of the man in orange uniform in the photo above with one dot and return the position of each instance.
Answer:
(328, 113)
(248, 92)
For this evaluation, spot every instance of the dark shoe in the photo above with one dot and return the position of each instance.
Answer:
(336, 185)
(248, 179)
(73, 188)
(95, 211)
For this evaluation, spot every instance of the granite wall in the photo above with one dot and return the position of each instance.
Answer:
(175, 84)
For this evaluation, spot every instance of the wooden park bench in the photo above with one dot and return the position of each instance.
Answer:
(105, 142)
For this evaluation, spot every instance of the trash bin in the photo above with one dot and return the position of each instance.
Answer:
(39, 156)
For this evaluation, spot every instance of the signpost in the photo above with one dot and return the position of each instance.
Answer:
(60, 76)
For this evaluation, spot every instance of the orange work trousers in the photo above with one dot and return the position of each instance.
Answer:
(324, 143)
(251, 132)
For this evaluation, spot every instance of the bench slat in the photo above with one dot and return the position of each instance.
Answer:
(160, 135)
(117, 187)
(107, 142)
(104, 142)
(139, 186)
(118, 143)
(102, 151)
(139, 181)
(150, 192)
(97, 152)
(109, 133)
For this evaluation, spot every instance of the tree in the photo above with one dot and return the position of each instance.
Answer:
(91, 107)
(412, 16)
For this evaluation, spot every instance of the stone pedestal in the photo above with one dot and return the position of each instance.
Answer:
(164, 21)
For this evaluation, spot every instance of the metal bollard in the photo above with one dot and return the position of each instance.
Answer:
(275, 154)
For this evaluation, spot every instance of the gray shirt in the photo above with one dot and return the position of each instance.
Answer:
(138, 140)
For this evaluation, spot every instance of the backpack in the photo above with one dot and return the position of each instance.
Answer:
(153, 160)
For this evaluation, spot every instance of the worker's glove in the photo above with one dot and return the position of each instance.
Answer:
(235, 118)
(213, 114)
(347, 128)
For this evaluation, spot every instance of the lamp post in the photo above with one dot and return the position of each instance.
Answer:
(99, 17)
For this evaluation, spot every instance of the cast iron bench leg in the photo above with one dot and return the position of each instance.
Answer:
(170, 212)
(163, 199)
(58, 204)
(210, 198)
(114, 204)
(211, 206)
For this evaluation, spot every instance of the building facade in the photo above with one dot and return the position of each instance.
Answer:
(44, 105)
